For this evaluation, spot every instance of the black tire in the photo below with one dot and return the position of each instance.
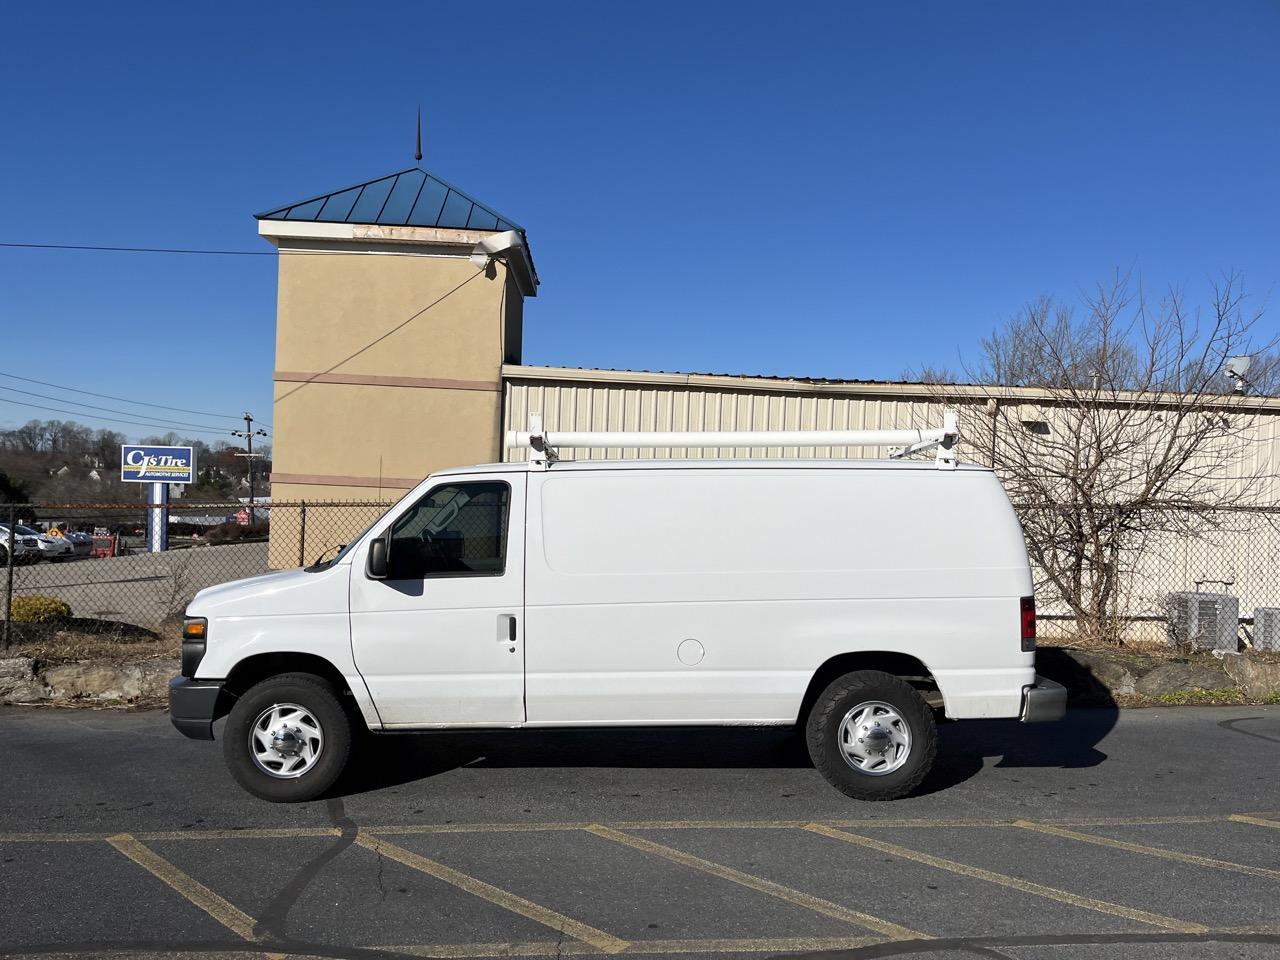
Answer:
(319, 700)
(823, 735)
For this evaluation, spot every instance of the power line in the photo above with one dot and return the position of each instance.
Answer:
(247, 253)
(108, 249)
(195, 251)
(107, 396)
(81, 413)
(247, 434)
(351, 356)
(127, 413)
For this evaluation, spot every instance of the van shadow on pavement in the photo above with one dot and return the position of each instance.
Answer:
(962, 749)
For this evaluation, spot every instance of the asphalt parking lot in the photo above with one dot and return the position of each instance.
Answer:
(1151, 833)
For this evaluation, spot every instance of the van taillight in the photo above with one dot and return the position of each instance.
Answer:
(1028, 611)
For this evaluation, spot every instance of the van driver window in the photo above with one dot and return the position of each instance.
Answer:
(458, 530)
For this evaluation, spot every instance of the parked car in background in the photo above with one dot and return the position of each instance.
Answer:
(81, 543)
(47, 547)
(26, 549)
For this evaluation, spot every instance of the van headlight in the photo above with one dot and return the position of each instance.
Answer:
(195, 633)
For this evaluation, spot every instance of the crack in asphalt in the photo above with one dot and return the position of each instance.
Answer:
(982, 946)
(1231, 725)
(275, 917)
(382, 887)
(221, 947)
(989, 946)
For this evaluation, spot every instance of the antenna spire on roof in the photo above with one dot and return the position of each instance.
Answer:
(417, 153)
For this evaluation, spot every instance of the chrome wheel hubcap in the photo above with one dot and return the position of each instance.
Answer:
(285, 741)
(874, 738)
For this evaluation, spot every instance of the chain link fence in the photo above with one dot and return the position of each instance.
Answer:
(93, 557)
(1232, 554)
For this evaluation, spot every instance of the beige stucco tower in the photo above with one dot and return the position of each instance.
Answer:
(390, 337)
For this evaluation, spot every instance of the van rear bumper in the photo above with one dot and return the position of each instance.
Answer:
(1044, 701)
(195, 704)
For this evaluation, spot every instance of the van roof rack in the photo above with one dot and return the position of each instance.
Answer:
(545, 445)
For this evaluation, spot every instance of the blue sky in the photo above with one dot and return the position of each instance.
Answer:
(841, 190)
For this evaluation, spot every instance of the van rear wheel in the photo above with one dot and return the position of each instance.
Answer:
(288, 738)
(872, 736)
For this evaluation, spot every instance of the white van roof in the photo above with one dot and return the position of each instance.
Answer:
(757, 463)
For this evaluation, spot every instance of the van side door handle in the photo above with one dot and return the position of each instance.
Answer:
(507, 629)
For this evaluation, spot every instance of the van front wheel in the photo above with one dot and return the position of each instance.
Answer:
(288, 738)
(872, 736)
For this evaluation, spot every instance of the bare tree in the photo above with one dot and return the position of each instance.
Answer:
(1124, 431)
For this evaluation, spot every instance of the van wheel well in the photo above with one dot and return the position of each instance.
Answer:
(255, 669)
(900, 665)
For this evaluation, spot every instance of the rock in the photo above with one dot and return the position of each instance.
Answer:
(1259, 679)
(18, 682)
(1172, 677)
(1089, 677)
(17, 668)
(24, 691)
(156, 675)
(96, 680)
(87, 680)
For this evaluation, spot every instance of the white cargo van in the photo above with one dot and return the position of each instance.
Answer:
(836, 596)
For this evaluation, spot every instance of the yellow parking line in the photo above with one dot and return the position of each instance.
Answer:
(461, 951)
(759, 884)
(239, 923)
(276, 833)
(53, 837)
(771, 945)
(1026, 886)
(269, 833)
(415, 828)
(705, 824)
(1129, 821)
(1256, 821)
(1149, 851)
(606, 943)
(1268, 929)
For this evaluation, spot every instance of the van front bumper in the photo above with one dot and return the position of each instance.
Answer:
(1044, 701)
(195, 704)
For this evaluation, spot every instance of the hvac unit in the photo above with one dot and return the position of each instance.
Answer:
(1266, 629)
(1204, 621)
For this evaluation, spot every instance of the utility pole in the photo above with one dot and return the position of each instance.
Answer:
(247, 434)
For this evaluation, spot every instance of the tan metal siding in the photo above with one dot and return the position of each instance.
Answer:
(570, 405)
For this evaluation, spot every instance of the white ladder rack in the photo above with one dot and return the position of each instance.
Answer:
(545, 445)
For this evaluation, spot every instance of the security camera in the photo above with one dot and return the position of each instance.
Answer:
(1236, 369)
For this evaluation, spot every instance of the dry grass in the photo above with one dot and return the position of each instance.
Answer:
(1149, 643)
(92, 640)
(1225, 696)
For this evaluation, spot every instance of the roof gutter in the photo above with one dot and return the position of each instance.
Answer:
(512, 249)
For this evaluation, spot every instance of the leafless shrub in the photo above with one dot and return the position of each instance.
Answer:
(179, 586)
(1122, 430)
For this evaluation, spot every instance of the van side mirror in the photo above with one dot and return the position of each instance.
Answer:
(379, 557)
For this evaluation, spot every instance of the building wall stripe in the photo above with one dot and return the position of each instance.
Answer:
(374, 380)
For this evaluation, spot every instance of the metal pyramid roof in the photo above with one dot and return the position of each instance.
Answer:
(410, 197)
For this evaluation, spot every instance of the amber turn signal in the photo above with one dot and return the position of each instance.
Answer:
(194, 628)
